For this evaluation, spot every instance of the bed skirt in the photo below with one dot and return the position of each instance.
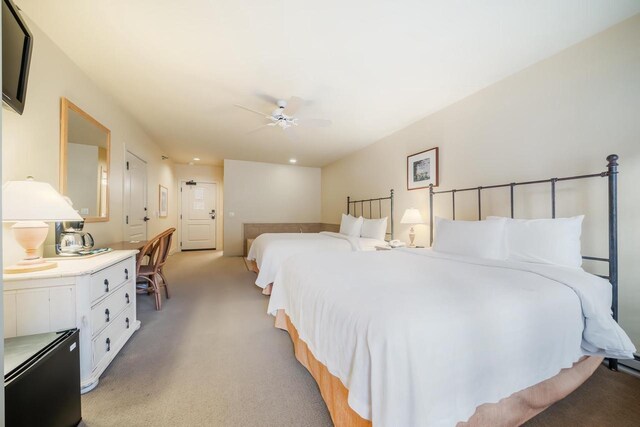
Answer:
(511, 411)
(253, 266)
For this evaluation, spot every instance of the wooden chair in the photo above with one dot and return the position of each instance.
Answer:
(155, 252)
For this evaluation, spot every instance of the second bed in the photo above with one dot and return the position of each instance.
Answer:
(270, 250)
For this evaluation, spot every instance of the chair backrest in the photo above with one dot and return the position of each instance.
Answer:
(165, 246)
(157, 249)
(150, 249)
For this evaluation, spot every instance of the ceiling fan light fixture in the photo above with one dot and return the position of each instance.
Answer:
(285, 116)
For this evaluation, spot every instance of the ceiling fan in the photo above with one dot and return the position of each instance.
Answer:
(284, 116)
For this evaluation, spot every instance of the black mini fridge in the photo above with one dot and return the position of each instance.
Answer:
(42, 380)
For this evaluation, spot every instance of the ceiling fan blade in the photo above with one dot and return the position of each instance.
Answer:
(265, 97)
(253, 111)
(321, 123)
(293, 105)
(259, 128)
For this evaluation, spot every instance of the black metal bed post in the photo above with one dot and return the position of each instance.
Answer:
(512, 186)
(612, 168)
(391, 197)
(453, 199)
(431, 214)
(348, 205)
(553, 197)
(479, 203)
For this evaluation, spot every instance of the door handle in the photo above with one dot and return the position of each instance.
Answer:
(213, 214)
(145, 219)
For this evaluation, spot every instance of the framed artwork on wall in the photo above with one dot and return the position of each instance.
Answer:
(422, 169)
(163, 203)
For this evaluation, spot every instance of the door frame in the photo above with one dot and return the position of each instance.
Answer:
(124, 204)
(182, 182)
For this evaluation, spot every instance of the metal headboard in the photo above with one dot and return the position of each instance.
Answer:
(370, 202)
(611, 173)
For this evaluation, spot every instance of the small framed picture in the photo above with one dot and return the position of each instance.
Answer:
(164, 202)
(422, 169)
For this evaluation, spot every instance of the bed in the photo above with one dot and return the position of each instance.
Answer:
(270, 250)
(415, 337)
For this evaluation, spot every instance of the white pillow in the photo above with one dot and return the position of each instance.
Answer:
(350, 225)
(374, 228)
(547, 241)
(480, 239)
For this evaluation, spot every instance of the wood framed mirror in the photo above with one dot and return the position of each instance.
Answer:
(85, 152)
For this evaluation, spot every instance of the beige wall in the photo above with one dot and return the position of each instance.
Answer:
(265, 192)
(31, 142)
(559, 117)
(205, 173)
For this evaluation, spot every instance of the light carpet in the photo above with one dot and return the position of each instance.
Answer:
(211, 357)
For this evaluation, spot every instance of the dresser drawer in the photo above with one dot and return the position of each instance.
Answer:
(105, 312)
(105, 281)
(109, 340)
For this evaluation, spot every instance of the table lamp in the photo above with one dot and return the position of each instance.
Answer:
(31, 204)
(412, 216)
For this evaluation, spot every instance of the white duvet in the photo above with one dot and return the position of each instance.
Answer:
(422, 339)
(270, 250)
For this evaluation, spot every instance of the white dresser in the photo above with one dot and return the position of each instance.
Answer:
(97, 295)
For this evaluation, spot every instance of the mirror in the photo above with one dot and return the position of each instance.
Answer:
(84, 162)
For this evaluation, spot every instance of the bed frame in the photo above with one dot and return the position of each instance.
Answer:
(370, 202)
(612, 177)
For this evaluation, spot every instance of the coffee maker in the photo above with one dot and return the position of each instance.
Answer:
(71, 240)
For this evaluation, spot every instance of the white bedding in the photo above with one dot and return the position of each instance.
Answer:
(270, 250)
(422, 339)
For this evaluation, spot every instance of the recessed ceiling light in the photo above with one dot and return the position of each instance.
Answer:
(292, 160)
(197, 159)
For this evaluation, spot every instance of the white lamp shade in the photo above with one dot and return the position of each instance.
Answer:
(412, 216)
(35, 201)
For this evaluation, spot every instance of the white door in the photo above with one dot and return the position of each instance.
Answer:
(198, 215)
(135, 198)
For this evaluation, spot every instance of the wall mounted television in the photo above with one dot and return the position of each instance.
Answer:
(17, 43)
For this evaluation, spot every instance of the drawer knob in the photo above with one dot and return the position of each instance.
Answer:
(127, 320)
(108, 342)
(106, 285)
(126, 274)
(106, 313)
(126, 296)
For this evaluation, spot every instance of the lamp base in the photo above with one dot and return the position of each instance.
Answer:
(30, 235)
(30, 267)
(412, 236)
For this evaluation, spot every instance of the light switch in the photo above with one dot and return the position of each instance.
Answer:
(84, 211)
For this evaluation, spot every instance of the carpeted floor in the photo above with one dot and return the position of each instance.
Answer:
(211, 357)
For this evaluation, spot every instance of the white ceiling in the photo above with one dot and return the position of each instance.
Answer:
(372, 67)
